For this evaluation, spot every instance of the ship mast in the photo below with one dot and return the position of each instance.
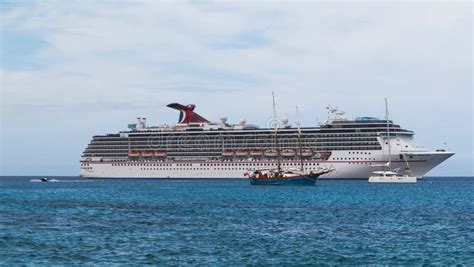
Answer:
(388, 136)
(299, 138)
(275, 125)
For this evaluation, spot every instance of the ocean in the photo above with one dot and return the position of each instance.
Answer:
(75, 221)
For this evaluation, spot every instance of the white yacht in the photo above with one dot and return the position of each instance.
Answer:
(389, 176)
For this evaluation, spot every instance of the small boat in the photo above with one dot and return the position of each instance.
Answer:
(289, 177)
(390, 177)
(147, 154)
(288, 153)
(160, 153)
(271, 153)
(44, 179)
(305, 152)
(241, 153)
(134, 154)
(256, 152)
(228, 153)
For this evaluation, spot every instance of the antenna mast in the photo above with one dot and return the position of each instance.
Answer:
(275, 125)
(388, 135)
(299, 138)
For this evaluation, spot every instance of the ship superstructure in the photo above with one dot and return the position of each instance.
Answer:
(197, 148)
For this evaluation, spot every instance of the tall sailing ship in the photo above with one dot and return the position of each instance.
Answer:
(289, 176)
(197, 148)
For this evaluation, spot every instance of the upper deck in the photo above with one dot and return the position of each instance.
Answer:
(207, 139)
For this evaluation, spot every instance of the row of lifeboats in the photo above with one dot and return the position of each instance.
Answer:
(228, 153)
(147, 154)
(273, 153)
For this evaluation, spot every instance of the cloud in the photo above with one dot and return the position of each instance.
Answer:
(19, 49)
(244, 40)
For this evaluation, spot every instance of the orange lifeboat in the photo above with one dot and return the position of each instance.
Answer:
(256, 152)
(288, 153)
(241, 153)
(160, 153)
(271, 153)
(228, 153)
(305, 152)
(134, 154)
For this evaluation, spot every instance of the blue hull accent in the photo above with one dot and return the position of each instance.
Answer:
(290, 182)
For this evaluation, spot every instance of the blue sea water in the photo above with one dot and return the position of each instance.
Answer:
(229, 222)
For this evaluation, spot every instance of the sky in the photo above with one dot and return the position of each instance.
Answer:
(73, 69)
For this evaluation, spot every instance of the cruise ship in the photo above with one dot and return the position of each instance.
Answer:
(194, 147)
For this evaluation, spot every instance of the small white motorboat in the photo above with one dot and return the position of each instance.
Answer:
(390, 177)
(228, 153)
(241, 153)
(271, 153)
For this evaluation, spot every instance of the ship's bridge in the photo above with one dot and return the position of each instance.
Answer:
(366, 119)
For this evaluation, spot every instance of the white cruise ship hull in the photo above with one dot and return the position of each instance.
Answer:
(345, 165)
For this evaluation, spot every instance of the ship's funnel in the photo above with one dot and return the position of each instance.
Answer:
(187, 114)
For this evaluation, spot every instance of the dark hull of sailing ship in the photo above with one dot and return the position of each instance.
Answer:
(285, 178)
(294, 182)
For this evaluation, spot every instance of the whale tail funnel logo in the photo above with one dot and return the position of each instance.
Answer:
(187, 114)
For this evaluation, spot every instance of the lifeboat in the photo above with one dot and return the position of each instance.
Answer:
(241, 153)
(256, 152)
(228, 153)
(134, 154)
(147, 154)
(160, 153)
(271, 153)
(305, 152)
(288, 153)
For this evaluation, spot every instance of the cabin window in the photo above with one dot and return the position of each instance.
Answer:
(401, 156)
